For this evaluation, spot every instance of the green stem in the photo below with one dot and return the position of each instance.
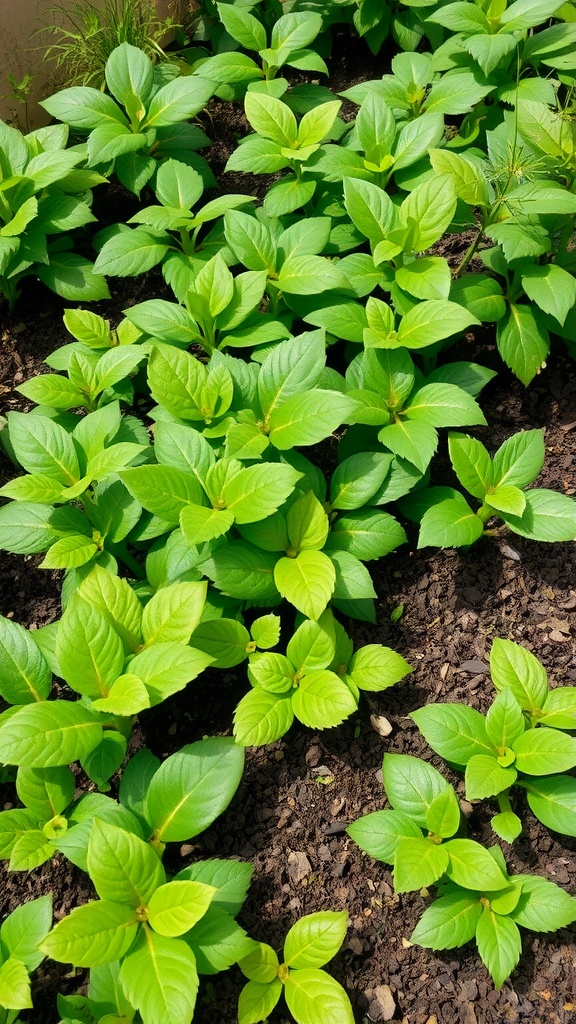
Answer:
(469, 254)
(504, 802)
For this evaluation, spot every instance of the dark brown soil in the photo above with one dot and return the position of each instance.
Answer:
(297, 796)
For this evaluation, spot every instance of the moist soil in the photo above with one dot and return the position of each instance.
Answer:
(289, 815)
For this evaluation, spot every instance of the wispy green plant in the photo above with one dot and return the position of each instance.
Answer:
(88, 36)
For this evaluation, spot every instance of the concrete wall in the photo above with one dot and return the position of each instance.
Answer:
(22, 53)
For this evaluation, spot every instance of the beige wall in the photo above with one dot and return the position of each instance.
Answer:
(21, 53)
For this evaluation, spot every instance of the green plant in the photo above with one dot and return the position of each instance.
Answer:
(169, 234)
(87, 38)
(499, 483)
(143, 121)
(312, 995)
(521, 735)
(289, 41)
(318, 681)
(21, 934)
(493, 918)
(44, 194)
(417, 836)
(160, 931)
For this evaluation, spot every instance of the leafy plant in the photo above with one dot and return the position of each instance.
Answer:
(288, 44)
(168, 233)
(44, 194)
(499, 482)
(318, 681)
(493, 918)
(144, 120)
(311, 994)
(521, 735)
(155, 928)
(417, 836)
(21, 934)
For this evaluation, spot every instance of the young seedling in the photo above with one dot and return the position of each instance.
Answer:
(312, 995)
(500, 483)
(417, 836)
(493, 918)
(521, 735)
(318, 681)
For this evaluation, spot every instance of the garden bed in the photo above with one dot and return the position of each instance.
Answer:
(297, 795)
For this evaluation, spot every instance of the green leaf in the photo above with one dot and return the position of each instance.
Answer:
(130, 253)
(431, 321)
(218, 942)
(418, 864)
(192, 787)
(499, 945)
(46, 791)
(262, 717)
(515, 668)
(380, 832)
(548, 516)
(427, 278)
(230, 879)
(122, 867)
(450, 922)
(273, 672)
(411, 440)
(375, 668)
(243, 27)
(443, 405)
(14, 985)
(450, 523)
(271, 118)
(315, 939)
(309, 417)
(485, 777)
(239, 568)
(313, 645)
(176, 907)
(308, 275)
(257, 492)
(24, 929)
(507, 499)
(26, 676)
(290, 368)
(472, 464)
(179, 100)
(366, 534)
(49, 734)
(162, 490)
(551, 288)
(507, 826)
(173, 613)
(314, 996)
(505, 721)
(522, 342)
(443, 814)
(82, 107)
(473, 867)
(544, 751)
(265, 631)
(370, 209)
(357, 479)
(307, 524)
(93, 934)
(543, 906)
(250, 240)
(89, 651)
(559, 709)
(42, 446)
(225, 640)
(322, 700)
(159, 978)
(553, 801)
(455, 731)
(257, 1000)
(307, 581)
(114, 599)
(411, 785)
